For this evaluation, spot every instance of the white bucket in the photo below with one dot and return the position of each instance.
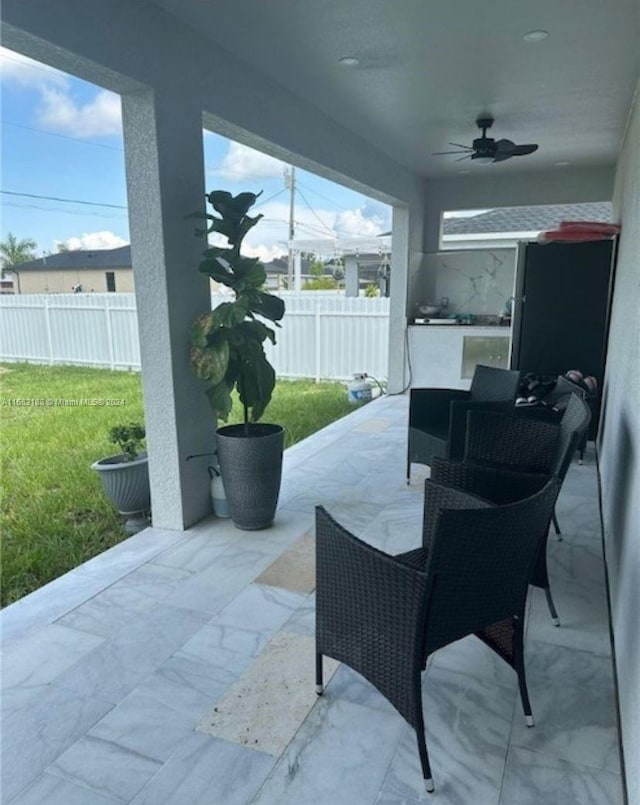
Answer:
(218, 495)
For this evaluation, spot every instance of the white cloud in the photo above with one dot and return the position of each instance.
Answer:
(26, 72)
(57, 109)
(242, 162)
(319, 228)
(266, 253)
(353, 224)
(101, 115)
(93, 240)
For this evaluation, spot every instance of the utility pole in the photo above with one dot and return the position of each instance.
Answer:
(290, 182)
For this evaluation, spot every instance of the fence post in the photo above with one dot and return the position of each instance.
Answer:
(318, 332)
(47, 326)
(110, 345)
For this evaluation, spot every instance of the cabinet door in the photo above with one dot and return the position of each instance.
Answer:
(489, 351)
(565, 302)
(563, 308)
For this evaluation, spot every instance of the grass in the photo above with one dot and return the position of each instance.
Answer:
(54, 513)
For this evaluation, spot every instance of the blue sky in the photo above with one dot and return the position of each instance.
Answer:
(62, 139)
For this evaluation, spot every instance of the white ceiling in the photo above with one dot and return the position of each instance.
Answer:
(427, 70)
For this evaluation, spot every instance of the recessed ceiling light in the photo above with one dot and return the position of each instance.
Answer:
(462, 173)
(535, 36)
(562, 164)
(349, 61)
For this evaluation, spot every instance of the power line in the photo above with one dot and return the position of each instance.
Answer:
(62, 136)
(326, 198)
(64, 200)
(313, 212)
(62, 211)
(275, 195)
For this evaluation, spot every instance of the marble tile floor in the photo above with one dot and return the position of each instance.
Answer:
(107, 671)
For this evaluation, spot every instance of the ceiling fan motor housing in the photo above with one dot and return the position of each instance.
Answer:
(484, 144)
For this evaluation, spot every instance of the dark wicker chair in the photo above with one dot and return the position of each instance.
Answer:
(524, 443)
(384, 615)
(437, 417)
(513, 445)
(559, 398)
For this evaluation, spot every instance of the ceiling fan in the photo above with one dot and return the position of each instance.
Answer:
(486, 149)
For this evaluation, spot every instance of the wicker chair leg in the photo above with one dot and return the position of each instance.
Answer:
(408, 469)
(552, 610)
(319, 687)
(424, 761)
(556, 525)
(518, 664)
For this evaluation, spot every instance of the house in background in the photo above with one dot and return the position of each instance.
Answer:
(98, 270)
(103, 270)
(506, 226)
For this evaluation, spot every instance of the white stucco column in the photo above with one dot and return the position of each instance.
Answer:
(164, 163)
(406, 255)
(351, 283)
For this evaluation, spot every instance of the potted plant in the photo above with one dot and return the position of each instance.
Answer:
(125, 476)
(227, 354)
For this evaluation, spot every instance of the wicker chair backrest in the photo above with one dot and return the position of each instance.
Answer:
(573, 425)
(439, 496)
(522, 443)
(480, 564)
(491, 384)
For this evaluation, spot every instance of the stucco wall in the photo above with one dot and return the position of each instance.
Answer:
(620, 450)
(64, 281)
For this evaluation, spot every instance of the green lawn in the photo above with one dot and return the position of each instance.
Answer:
(54, 513)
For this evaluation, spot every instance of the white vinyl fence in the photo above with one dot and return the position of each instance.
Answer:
(323, 335)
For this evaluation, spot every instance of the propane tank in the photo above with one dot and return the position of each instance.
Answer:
(218, 495)
(359, 389)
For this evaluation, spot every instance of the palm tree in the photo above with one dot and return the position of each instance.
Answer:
(14, 251)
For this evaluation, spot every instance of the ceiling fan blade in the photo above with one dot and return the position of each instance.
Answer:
(501, 156)
(441, 153)
(523, 150)
(466, 156)
(505, 147)
(466, 147)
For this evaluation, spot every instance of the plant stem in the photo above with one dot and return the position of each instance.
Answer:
(246, 421)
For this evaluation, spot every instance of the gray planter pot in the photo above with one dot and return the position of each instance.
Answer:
(126, 484)
(251, 468)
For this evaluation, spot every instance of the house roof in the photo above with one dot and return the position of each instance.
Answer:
(280, 265)
(87, 260)
(527, 219)
(79, 260)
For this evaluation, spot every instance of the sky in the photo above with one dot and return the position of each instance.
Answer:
(63, 176)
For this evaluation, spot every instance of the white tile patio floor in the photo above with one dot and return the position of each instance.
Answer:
(107, 671)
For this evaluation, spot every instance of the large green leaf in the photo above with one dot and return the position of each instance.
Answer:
(230, 314)
(219, 397)
(201, 329)
(266, 304)
(234, 223)
(250, 272)
(243, 226)
(217, 270)
(256, 330)
(211, 363)
(232, 207)
(256, 380)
